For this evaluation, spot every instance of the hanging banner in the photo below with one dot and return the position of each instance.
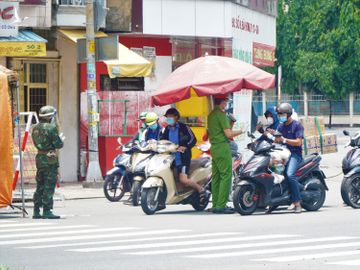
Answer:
(263, 55)
(9, 19)
(22, 49)
(6, 144)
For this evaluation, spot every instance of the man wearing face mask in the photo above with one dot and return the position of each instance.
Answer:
(153, 130)
(292, 136)
(220, 134)
(181, 134)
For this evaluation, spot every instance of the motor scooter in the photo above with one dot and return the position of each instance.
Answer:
(162, 187)
(259, 187)
(350, 186)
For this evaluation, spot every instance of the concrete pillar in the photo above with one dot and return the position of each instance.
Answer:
(263, 102)
(351, 108)
(306, 104)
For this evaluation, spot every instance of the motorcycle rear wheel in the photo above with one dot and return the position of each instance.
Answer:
(243, 200)
(199, 206)
(148, 203)
(317, 204)
(352, 191)
(114, 184)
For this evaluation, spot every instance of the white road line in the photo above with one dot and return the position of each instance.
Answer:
(135, 240)
(240, 246)
(348, 263)
(47, 228)
(310, 256)
(82, 237)
(182, 243)
(7, 221)
(18, 235)
(271, 251)
(24, 225)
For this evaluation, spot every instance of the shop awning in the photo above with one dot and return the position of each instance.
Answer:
(76, 34)
(26, 43)
(128, 64)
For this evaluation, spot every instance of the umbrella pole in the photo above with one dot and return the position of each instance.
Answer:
(20, 150)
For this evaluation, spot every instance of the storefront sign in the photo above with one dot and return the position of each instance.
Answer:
(22, 49)
(244, 25)
(139, 51)
(263, 55)
(9, 19)
(149, 53)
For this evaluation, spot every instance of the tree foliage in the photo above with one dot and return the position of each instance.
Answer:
(318, 46)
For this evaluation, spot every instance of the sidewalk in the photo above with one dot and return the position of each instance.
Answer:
(67, 191)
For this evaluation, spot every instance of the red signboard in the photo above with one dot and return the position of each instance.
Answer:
(263, 55)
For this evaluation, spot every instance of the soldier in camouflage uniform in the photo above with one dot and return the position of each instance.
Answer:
(46, 139)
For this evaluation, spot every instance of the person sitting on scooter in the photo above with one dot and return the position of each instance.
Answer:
(140, 136)
(272, 121)
(292, 136)
(181, 134)
(154, 129)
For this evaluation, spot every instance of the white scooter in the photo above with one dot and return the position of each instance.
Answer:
(162, 186)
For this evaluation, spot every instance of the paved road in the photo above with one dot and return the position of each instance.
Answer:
(96, 234)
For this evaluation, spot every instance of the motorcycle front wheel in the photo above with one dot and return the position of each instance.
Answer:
(245, 200)
(148, 203)
(136, 193)
(114, 187)
(352, 191)
(343, 191)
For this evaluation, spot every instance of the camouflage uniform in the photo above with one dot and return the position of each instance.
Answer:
(46, 139)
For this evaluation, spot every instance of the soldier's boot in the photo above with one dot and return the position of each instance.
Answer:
(37, 214)
(47, 214)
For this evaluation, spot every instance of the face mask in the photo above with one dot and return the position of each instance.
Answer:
(283, 119)
(170, 121)
(270, 121)
(153, 127)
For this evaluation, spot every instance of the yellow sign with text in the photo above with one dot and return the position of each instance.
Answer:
(22, 49)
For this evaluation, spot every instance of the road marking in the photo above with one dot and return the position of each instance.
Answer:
(47, 228)
(182, 243)
(135, 240)
(271, 251)
(82, 237)
(348, 263)
(310, 256)
(7, 221)
(61, 232)
(240, 246)
(24, 225)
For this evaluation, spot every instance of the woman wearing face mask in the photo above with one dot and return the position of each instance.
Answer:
(181, 134)
(153, 130)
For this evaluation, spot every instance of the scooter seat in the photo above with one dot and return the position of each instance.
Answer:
(307, 159)
(198, 163)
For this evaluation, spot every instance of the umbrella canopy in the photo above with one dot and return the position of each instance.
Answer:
(211, 75)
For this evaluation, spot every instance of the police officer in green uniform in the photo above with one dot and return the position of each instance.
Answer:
(46, 139)
(220, 134)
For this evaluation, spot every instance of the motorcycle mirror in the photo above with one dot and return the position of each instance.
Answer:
(346, 133)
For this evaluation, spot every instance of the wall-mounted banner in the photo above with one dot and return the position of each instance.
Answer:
(22, 49)
(9, 19)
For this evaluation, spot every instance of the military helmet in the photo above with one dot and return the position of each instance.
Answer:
(47, 112)
(285, 108)
(142, 116)
(151, 118)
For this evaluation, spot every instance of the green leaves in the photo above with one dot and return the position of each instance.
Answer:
(318, 45)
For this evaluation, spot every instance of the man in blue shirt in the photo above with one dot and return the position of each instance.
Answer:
(181, 134)
(292, 136)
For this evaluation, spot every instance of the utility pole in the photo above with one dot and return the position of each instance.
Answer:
(279, 83)
(93, 175)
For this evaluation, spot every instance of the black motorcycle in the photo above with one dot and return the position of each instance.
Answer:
(350, 186)
(257, 189)
(117, 180)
